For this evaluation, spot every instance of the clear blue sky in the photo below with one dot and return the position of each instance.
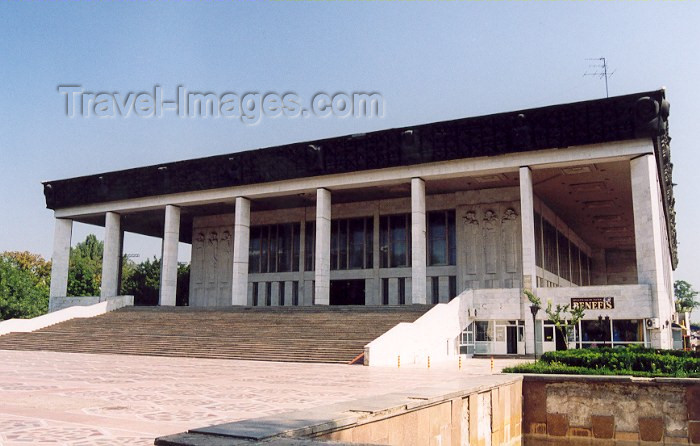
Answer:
(430, 61)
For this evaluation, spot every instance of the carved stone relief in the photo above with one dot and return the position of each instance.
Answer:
(212, 270)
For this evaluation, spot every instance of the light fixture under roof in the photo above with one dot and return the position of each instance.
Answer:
(598, 219)
(594, 186)
(490, 178)
(599, 204)
(575, 170)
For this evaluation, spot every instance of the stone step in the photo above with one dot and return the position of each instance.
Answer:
(296, 334)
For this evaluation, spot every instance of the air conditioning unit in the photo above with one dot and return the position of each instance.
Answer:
(652, 322)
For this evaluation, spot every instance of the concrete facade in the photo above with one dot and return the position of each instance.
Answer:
(573, 223)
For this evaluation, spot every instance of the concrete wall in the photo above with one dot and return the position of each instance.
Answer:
(486, 418)
(564, 410)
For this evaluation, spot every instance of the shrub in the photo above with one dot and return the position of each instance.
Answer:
(634, 360)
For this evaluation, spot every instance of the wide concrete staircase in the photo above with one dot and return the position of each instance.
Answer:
(294, 334)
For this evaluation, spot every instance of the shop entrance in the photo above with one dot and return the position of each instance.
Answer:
(347, 292)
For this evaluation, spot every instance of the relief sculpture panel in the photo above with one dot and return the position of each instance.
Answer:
(489, 254)
(212, 264)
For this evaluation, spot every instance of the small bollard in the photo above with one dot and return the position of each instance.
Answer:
(428, 361)
(492, 363)
(460, 362)
(398, 361)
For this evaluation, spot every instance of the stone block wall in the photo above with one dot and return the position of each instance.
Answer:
(591, 410)
(492, 417)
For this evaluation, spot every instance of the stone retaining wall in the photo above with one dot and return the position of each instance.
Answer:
(487, 418)
(610, 410)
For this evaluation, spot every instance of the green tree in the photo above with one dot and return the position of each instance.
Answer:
(144, 282)
(24, 285)
(685, 296)
(85, 272)
(565, 318)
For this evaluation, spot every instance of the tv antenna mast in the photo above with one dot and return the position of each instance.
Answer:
(600, 70)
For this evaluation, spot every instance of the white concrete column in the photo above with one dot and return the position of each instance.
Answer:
(110, 257)
(60, 260)
(241, 243)
(529, 282)
(323, 247)
(418, 242)
(168, 263)
(650, 240)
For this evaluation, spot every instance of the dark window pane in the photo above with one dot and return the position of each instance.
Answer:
(264, 250)
(550, 247)
(357, 243)
(384, 242)
(254, 251)
(282, 291)
(369, 242)
(451, 238)
(334, 245)
(564, 260)
(296, 247)
(627, 331)
(343, 244)
(295, 293)
(398, 254)
(402, 291)
(453, 287)
(309, 245)
(435, 285)
(385, 291)
(538, 240)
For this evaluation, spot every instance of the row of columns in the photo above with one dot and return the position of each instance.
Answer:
(113, 241)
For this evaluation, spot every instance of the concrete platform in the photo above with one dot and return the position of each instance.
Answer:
(49, 398)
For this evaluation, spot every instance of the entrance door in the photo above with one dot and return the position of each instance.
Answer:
(347, 292)
(512, 340)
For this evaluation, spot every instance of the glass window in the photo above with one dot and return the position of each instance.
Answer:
(385, 291)
(453, 287)
(309, 245)
(274, 248)
(435, 288)
(255, 252)
(550, 247)
(548, 334)
(295, 293)
(282, 291)
(441, 238)
(484, 331)
(351, 243)
(402, 291)
(575, 264)
(595, 331)
(627, 331)
(395, 241)
(564, 259)
(538, 240)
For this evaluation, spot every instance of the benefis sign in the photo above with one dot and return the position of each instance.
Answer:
(593, 303)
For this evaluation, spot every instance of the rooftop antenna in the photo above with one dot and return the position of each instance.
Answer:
(601, 71)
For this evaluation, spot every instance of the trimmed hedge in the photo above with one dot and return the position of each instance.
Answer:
(634, 360)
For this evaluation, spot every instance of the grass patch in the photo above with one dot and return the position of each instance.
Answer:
(634, 361)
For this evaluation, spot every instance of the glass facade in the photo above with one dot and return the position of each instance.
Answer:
(395, 240)
(557, 254)
(274, 248)
(442, 239)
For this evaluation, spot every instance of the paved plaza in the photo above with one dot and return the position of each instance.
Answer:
(83, 399)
